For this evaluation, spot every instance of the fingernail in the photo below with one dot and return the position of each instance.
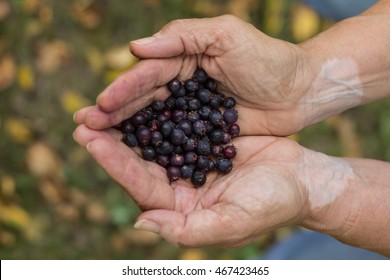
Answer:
(74, 116)
(147, 225)
(88, 147)
(144, 41)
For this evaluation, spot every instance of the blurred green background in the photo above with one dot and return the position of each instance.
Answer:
(55, 57)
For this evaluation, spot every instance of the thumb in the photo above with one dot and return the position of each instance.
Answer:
(210, 36)
(197, 228)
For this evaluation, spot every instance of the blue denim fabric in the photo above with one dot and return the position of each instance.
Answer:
(339, 9)
(310, 245)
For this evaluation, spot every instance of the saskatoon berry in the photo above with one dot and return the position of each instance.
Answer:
(216, 136)
(186, 171)
(170, 102)
(130, 140)
(234, 130)
(193, 104)
(173, 173)
(162, 118)
(199, 127)
(215, 101)
(224, 165)
(178, 136)
(166, 128)
(177, 150)
(165, 148)
(230, 116)
(211, 84)
(181, 103)
(229, 102)
(190, 144)
(193, 116)
(203, 163)
(198, 178)
(174, 86)
(178, 116)
(203, 147)
(226, 138)
(158, 106)
(127, 127)
(229, 152)
(143, 135)
(162, 160)
(216, 150)
(190, 158)
(148, 153)
(191, 85)
(200, 75)
(138, 119)
(216, 117)
(176, 160)
(156, 138)
(186, 126)
(204, 112)
(153, 125)
(148, 114)
(204, 95)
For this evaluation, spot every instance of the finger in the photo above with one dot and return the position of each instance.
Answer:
(211, 36)
(212, 226)
(83, 135)
(79, 116)
(139, 82)
(145, 182)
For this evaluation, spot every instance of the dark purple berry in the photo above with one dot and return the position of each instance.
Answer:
(170, 102)
(156, 138)
(191, 85)
(176, 160)
(162, 160)
(229, 102)
(230, 116)
(216, 117)
(193, 116)
(127, 127)
(199, 127)
(178, 137)
(203, 147)
(193, 104)
(216, 136)
(130, 140)
(190, 144)
(198, 178)
(224, 165)
(204, 112)
(158, 106)
(148, 114)
(229, 152)
(234, 130)
(178, 116)
(177, 150)
(186, 126)
(180, 93)
(138, 119)
(204, 95)
(153, 125)
(217, 150)
(181, 103)
(173, 173)
(162, 118)
(190, 157)
(186, 171)
(200, 75)
(165, 148)
(148, 153)
(166, 128)
(203, 163)
(226, 138)
(215, 101)
(174, 86)
(143, 135)
(211, 84)
(211, 165)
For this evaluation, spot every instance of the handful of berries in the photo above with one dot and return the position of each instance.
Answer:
(189, 133)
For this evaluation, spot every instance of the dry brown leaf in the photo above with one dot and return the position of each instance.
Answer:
(51, 55)
(119, 57)
(88, 13)
(7, 186)
(193, 254)
(7, 71)
(97, 213)
(43, 162)
(51, 192)
(67, 212)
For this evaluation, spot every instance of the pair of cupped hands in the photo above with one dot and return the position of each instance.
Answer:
(268, 79)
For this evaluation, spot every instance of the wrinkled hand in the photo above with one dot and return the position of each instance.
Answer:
(262, 191)
(265, 75)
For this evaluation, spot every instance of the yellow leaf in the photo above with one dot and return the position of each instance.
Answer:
(14, 215)
(7, 186)
(72, 101)
(305, 23)
(95, 59)
(26, 77)
(51, 55)
(194, 254)
(119, 57)
(18, 130)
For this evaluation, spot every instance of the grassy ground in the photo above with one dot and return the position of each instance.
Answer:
(55, 57)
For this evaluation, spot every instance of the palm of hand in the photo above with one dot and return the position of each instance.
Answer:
(261, 192)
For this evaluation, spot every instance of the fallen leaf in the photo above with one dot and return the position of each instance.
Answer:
(119, 57)
(18, 129)
(95, 59)
(14, 215)
(26, 77)
(7, 71)
(7, 186)
(7, 238)
(71, 101)
(77, 197)
(51, 55)
(43, 162)
(88, 13)
(97, 213)
(193, 254)
(305, 23)
(4, 10)
(51, 192)
(67, 212)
